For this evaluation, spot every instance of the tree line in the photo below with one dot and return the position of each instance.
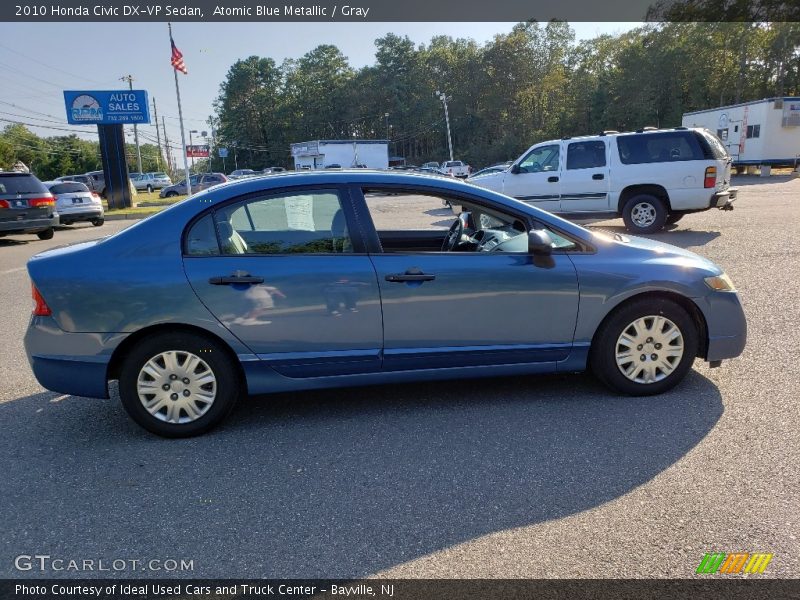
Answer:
(533, 83)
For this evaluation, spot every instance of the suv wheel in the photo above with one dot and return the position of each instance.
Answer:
(98, 222)
(646, 347)
(644, 213)
(149, 189)
(47, 234)
(178, 384)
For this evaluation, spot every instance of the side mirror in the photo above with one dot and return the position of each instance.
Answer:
(514, 169)
(540, 242)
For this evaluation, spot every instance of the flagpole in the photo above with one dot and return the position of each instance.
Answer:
(180, 118)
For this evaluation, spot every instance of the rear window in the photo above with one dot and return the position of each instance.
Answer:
(454, 163)
(713, 146)
(21, 183)
(68, 188)
(658, 147)
(160, 175)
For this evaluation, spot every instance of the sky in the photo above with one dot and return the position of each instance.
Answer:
(96, 55)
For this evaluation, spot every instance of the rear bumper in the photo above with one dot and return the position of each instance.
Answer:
(81, 215)
(724, 200)
(69, 363)
(28, 226)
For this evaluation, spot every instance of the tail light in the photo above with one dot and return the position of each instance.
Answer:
(4, 204)
(42, 202)
(710, 180)
(40, 308)
(96, 196)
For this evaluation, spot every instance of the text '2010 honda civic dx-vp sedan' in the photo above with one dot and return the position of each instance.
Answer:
(314, 280)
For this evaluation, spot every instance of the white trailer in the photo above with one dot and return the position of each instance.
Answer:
(319, 154)
(763, 133)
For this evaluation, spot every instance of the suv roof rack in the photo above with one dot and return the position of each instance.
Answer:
(608, 132)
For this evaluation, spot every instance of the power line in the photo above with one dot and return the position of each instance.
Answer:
(51, 67)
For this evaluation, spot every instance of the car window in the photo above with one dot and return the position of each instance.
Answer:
(543, 158)
(21, 183)
(201, 239)
(658, 147)
(586, 155)
(159, 175)
(66, 188)
(300, 222)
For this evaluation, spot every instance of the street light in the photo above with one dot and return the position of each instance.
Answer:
(191, 144)
(443, 97)
(387, 125)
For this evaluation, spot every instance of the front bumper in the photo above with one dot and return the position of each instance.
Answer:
(727, 325)
(28, 226)
(724, 200)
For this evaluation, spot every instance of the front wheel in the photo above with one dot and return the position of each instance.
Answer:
(170, 194)
(645, 347)
(47, 234)
(179, 384)
(149, 189)
(644, 213)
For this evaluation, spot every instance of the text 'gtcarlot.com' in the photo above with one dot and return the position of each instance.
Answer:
(46, 562)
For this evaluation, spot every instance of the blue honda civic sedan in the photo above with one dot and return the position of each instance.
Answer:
(317, 280)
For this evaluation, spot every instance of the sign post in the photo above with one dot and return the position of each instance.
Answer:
(110, 110)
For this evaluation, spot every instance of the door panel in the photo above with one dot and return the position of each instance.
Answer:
(538, 181)
(481, 308)
(585, 178)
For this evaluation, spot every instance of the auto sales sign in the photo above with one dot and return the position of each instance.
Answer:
(109, 107)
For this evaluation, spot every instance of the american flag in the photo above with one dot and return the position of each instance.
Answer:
(177, 58)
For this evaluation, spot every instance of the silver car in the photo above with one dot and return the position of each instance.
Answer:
(147, 182)
(76, 203)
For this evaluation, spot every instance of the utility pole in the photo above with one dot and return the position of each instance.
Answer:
(158, 133)
(129, 79)
(443, 97)
(191, 144)
(170, 166)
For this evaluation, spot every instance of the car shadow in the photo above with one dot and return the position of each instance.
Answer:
(9, 242)
(440, 212)
(338, 483)
(677, 234)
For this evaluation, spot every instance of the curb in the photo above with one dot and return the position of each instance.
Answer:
(129, 217)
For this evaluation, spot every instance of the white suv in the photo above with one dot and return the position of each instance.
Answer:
(651, 177)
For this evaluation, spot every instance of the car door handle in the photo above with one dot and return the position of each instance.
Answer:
(552, 179)
(598, 176)
(237, 278)
(410, 275)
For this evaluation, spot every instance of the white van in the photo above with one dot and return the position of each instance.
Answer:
(650, 177)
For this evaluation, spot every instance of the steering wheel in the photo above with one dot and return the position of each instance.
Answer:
(453, 236)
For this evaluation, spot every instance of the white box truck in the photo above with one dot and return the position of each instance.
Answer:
(763, 133)
(345, 154)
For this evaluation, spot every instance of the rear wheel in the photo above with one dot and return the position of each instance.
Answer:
(179, 384)
(98, 222)
(149, 189)
(47, 234)
(170, 194)
(645, 347)
(644, 213)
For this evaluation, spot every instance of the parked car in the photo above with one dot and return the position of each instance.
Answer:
(433, 171)
(456, 168)
(333, 166)
(316, 280)
(430, 165)
(199, 182)
(487, 171)
(84, 179)
(150, 181)
(241, 173)
(76, 203)
(26, 206)
(96, 182)
(271, 170)
(650, 178)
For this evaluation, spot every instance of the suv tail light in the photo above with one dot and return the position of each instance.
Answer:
(4, 204)
(40, 308)
(710, 180)
(42, 202)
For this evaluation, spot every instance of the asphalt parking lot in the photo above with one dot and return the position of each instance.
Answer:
(530, 477)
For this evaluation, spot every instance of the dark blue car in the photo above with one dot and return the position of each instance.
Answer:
(317, 280)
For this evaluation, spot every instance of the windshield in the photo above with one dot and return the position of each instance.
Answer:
(21, 183)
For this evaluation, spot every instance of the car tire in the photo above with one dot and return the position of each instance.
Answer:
(644, 213)
(170, 194)
(149, 189)
(47, 234)
(214, 366)
(674, 218)
(98, 222)
(616, 361)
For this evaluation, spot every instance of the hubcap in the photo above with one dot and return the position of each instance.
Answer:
(643, 214)
(649, 349)
(176, 387)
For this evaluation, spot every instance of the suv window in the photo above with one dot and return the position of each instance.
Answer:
(301, 222)
(658, 147)
(586, 155)
(21, 183)
(544, 158)
(67, 188)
